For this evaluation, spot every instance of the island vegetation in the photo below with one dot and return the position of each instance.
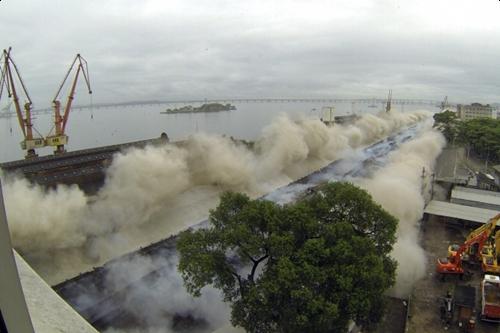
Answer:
(311, 266)
(210, 107)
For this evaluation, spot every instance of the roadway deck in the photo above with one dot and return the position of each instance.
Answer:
(86, 167)
(104, 306)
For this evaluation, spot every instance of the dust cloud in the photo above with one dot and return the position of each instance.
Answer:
(152, 193)
(400, 182)
(156, 302)
(402, 187)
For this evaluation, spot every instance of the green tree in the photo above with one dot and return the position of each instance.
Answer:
(310, 266)
(483, 136)
(447, 123)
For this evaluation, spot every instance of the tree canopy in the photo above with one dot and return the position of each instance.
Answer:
(447, 123)
(480, 134)
(483, 136)
(310, 266)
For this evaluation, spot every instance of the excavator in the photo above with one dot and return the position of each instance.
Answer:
(9, 76)
(473, 248)
(491, 256)
(59, 138)
(488, 227)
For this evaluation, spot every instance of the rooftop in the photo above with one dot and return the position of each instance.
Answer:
(447, 209)
(476, 195)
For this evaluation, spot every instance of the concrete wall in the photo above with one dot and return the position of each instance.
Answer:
(12, 302)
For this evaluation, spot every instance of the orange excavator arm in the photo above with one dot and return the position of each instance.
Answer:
(453, 264)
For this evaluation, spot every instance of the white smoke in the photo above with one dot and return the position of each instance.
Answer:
(215, 160)
(163, 296)
(138, 183)
(400, 187)
(155, 192)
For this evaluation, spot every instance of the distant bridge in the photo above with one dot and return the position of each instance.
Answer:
(372, 101)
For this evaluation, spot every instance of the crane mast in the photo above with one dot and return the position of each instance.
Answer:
(389, 102)
(8, 81)
(59, 138)
(444, 104)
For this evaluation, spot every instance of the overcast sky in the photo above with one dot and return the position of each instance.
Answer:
(148, 49)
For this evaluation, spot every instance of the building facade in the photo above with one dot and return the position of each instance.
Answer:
(474, 110)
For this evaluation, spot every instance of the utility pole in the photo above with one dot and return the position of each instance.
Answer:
(423, 181)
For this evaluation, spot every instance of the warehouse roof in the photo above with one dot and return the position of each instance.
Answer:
(447, 209)
(476, 195)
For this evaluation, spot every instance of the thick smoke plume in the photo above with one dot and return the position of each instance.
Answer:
(401, 188)
(157, 301)
(154, 192)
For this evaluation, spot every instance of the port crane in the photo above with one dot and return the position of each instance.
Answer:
(444, 104)
(389, 102)
(9, 75)
(60, 138)
(473, 246)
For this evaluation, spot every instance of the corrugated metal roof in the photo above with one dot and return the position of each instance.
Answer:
(448, 209)
(472, 194)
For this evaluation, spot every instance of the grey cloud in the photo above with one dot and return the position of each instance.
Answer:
(192, 50)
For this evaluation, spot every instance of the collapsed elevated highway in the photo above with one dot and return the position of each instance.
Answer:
(85, 168)
(102, 304)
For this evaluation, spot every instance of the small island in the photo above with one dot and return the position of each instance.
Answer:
(210, 107)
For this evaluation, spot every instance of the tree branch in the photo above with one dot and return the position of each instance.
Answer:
(240, 282)
(255, 264)
(245, 252)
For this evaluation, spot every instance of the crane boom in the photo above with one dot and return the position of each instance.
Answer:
(30, 142)
(11, 88)
(487, 227)
(59, 139)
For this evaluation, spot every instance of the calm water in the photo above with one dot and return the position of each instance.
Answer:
(105, 126)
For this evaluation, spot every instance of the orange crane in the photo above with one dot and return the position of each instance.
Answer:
(59, 138)
(476, 240)
(9, 69)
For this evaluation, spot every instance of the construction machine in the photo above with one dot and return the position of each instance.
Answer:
(59, 138)
(491, 256)
(465, 303)
(471, 249)
(490, 298)
(9, 75)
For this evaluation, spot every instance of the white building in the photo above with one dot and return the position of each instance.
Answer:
(475, 110)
